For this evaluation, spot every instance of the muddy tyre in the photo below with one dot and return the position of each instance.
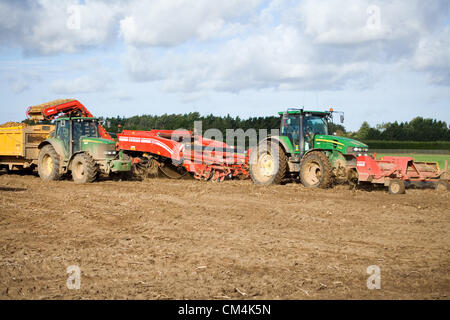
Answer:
(84, 169)
(441, 186)
(49, 164)
(268, 164)
(315, 170)
(397, 186)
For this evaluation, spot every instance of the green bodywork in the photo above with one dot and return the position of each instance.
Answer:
(97, 147)
(337, 143)
(336, 147)
(85, 140)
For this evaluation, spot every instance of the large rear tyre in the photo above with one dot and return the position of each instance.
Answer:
(315, 170)
(268, 164)
(84, 169)
(49, 164)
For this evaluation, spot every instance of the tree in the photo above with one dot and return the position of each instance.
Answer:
(363, 132)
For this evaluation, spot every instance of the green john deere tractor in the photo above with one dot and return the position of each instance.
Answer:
(75, 146)
(305, 149)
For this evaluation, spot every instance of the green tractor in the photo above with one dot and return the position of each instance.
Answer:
(305, 149)
(76, 146)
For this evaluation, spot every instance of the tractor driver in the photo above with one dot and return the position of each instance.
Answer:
(291, 129)
(309, 135)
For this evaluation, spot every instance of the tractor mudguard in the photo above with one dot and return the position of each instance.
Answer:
(59, 148)
(56, 144)
(283, 141)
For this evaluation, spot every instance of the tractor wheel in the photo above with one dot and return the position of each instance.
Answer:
(397, 186)
(268, 164)
(315, 170)
(49, 164)
(84, 168)
(441, 186)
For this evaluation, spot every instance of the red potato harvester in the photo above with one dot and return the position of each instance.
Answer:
(177, 153)
(395, 171)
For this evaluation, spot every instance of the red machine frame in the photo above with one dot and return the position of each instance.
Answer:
(383, 171)
(207, 159)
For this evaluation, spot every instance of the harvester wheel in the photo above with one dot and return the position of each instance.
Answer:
(441, 186)
(48, 164)
(268, 164)
(84, 168)
(315, 170)
(397, 186)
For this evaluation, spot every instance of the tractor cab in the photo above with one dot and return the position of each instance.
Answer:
(71, 132)
(301, 127)
(78, 134)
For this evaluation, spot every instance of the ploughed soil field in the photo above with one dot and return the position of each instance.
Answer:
(186, 239)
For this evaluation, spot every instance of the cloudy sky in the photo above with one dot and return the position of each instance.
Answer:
(376, 60)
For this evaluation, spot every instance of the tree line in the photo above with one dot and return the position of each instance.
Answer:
(186, 121)
(418, 129)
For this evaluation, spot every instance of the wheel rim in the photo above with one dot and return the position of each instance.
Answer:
(395, 188)
(78, 170)
(312, 173)
(266, 165)
(47, 164)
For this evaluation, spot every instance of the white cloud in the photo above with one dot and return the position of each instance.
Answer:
(122, 96)
(433, 58)
(196, 46)
(21, 80)
(83, 84)
(360, 21)
(46, 27)
(308, 45)
(169, 23)
(278, 60)
(19, 85)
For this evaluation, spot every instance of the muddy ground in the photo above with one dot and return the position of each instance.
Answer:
(166, 239)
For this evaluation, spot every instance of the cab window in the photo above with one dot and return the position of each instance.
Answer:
(62, 130)
(315, 125)
(311, 127)
(84, 128)
(290, 126)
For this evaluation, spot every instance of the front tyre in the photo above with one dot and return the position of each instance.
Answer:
(315, 170)
(49, 164)
(442, 186)
(84, 168)
(268, 164)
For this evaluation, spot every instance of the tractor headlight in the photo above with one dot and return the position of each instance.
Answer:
(356, 149)
(110, 153)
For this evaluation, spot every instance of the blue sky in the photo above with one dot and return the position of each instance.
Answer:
(377, 61)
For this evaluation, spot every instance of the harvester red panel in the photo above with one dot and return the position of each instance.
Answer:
(151, 142)
(404, 168)
(205, 158)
